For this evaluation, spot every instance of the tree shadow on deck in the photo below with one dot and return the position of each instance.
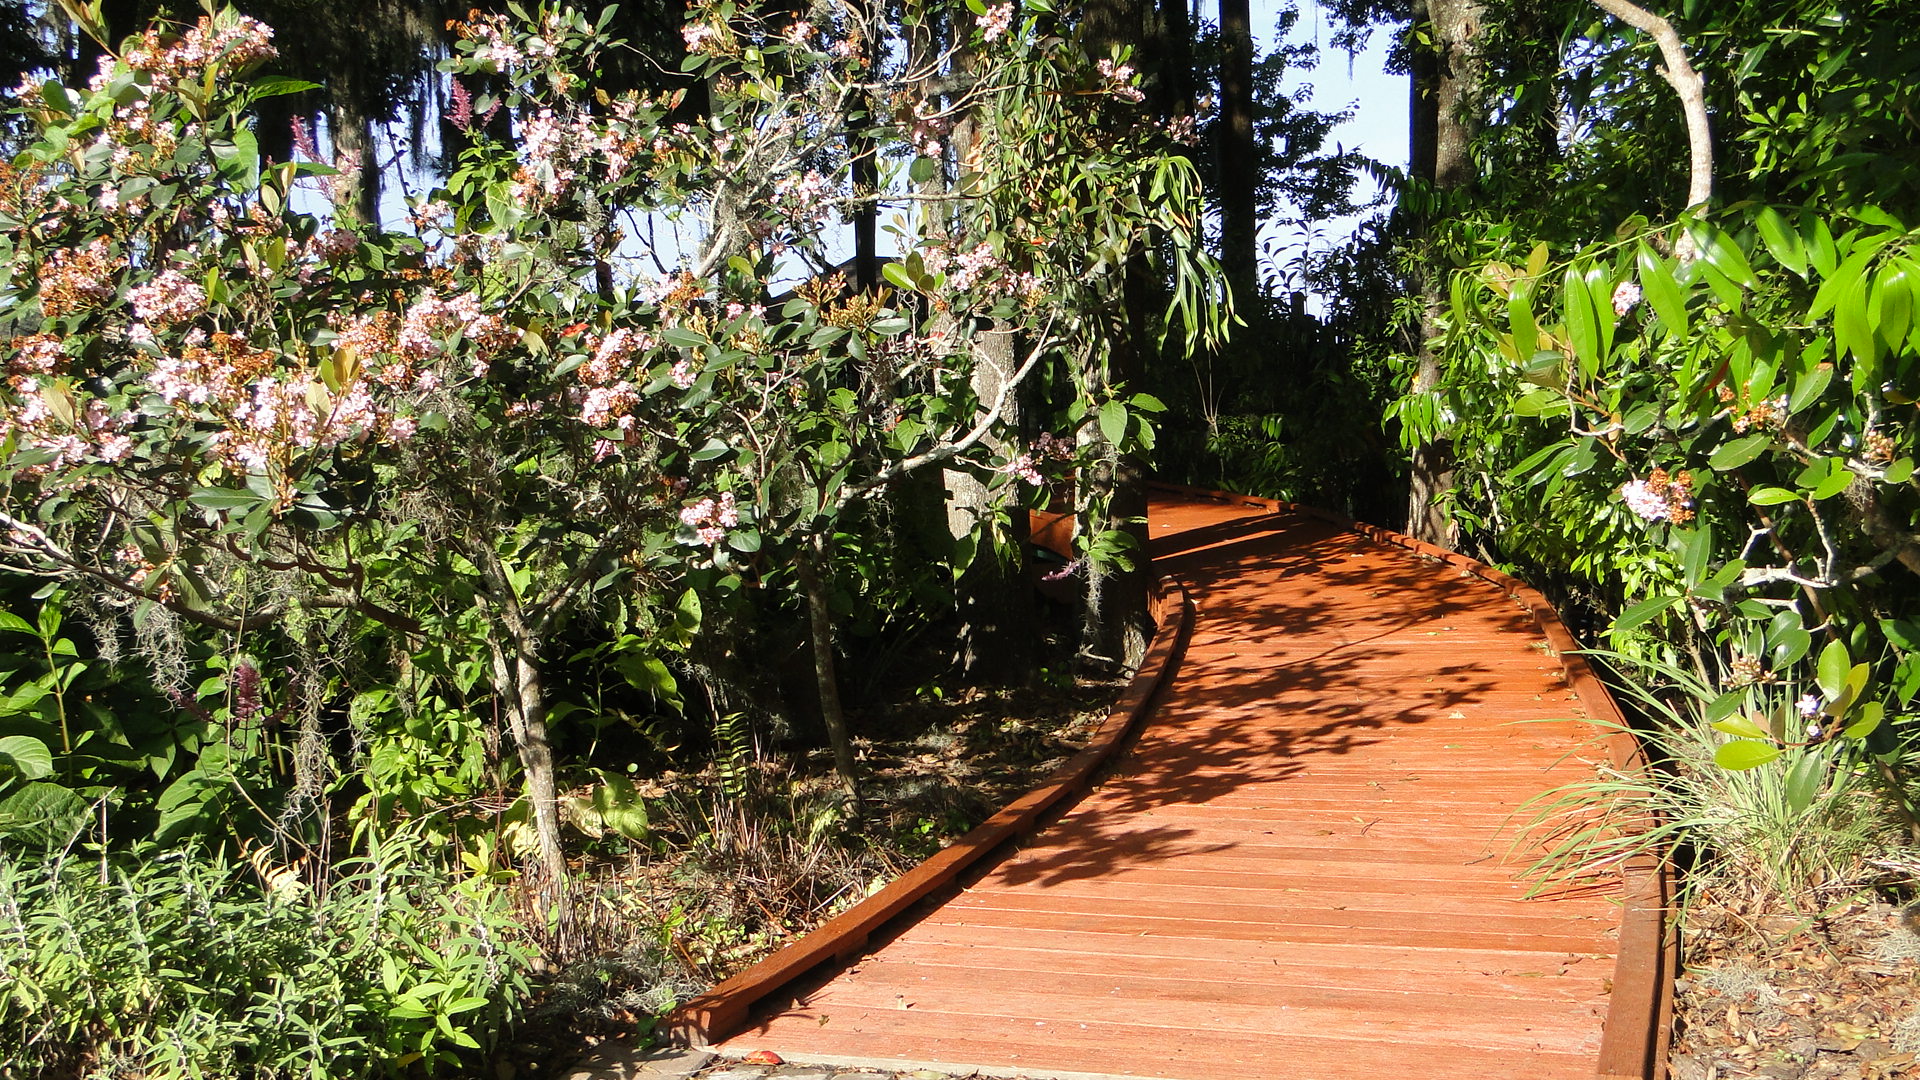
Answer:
(1313, 649)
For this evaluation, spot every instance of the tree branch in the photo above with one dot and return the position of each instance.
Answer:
(1686, 82)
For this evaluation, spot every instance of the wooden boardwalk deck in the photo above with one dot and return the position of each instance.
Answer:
(1299, 870)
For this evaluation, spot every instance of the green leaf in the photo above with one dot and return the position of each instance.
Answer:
(1808, 388)
(1744, 754)
(1741, 726)
(224, 499)
(1852, 330)
(1831, 672)
(1113, 421)
(1734, 454)
(1657, 284)
(1899, 471)
(897, 275)
(275, 85)
(1583, 325)
(1694, 556)
(1904, 633)
(921, 170)
(1803, 782)
(41, 812)
(28, 756)
(1785, 245)
(1643, 611)
(1720, 252)
(1866, 720)
(1768, 495)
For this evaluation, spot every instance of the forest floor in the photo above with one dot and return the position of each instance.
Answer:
(1834, 996)
(743, 863)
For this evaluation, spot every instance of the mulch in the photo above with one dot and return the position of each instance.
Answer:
(1833, 996)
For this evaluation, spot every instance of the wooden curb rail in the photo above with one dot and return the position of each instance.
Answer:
(722, 1011)
(1639, 1025)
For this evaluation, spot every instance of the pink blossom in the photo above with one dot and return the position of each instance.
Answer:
(169, 298)
(997, 21)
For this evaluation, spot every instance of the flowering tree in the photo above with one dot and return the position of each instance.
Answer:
(224, 410)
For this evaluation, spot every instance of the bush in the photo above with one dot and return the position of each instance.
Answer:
(189, 966)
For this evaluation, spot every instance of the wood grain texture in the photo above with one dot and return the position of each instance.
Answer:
(1304, 867)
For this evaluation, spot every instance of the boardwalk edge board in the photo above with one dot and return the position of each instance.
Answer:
(721, 1012)
(1639, 1024)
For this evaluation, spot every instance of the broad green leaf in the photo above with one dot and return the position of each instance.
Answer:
(1866, 720)
(1113, 422)
(28, 756)
(1583, 326)
(1803, 782)
(1785, 245)
(1890, 310)
(1734, 454)
(1639, 613)
(1831, 671)
(1767, 495)
(1657, 284)
(1851, 328)
(898, 276)
(1720, 251)
(1808, 388)
(1904, 633)
(1741, 726)
(224, 499)
(1744, 754)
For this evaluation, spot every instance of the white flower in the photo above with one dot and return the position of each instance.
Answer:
(1625, 296)
(1809, 705)
(1643, 500)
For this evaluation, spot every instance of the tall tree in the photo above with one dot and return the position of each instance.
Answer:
(1237, 155)
(1447, 110)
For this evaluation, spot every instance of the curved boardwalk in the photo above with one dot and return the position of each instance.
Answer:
(1301, 868)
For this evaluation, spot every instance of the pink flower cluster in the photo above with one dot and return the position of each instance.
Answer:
(704, 38)
(73, 280)
(803, 198)
(1625, 296)
(614, 354)
(1118, 79)
(1661, 496)
(234, 42)
(556, 153)
(711, 518)
(168, 299)
(40, 354)
(46, 419)
(983, 271)
(1046, 448)
(997, 21)
(431, 322)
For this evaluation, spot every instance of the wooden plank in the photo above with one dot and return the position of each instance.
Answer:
(1033, 1048)
(1306, 866)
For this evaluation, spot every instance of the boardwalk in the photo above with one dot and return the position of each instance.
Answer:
(1300, 870)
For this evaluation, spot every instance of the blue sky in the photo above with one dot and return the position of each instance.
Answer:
(1379, 101)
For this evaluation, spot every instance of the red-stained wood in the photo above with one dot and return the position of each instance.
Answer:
(1305, 866)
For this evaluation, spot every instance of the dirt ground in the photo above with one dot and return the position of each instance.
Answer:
(1834, 996)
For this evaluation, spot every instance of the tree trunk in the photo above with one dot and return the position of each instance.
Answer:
(811, 564)
(992, 598)
(516, 678)
(1446, 117)
(1238, 153)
